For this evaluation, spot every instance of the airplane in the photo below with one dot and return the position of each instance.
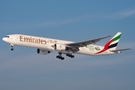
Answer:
(45, 46)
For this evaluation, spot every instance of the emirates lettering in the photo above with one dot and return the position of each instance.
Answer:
(33, 40)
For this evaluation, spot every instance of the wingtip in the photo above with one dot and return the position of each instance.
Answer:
(129, 49)
(119, 32)
(109, 35)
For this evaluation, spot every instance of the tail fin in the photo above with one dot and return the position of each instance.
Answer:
(112, 44)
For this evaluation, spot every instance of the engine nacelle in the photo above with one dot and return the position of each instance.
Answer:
(42, 51)
(60, 47)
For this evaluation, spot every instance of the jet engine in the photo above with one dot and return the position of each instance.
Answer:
(42, 51)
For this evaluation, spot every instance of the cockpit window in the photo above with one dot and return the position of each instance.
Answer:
(7, 36)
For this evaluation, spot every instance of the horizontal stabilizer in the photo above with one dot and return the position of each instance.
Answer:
(120, 50)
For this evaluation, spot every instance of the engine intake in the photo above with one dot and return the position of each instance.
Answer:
(42, 51)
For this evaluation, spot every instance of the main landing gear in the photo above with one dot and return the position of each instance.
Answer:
(60, 56)
(70, 55)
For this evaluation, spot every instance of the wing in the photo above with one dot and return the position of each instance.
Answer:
(85, 43)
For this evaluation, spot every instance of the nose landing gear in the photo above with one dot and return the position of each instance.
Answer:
(12, 47)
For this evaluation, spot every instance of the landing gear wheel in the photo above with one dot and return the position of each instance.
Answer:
(60, 57)
(12, 49)
(70, 55)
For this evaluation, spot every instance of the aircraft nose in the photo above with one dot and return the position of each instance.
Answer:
(3, 39)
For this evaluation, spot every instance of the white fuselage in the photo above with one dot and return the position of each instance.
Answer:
(48, 43)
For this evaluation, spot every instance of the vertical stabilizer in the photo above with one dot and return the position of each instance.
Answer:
(112, 44)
